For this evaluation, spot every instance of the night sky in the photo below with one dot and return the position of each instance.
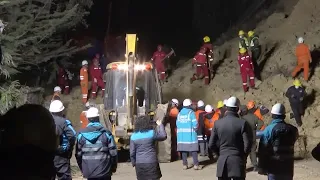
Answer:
(157, 21)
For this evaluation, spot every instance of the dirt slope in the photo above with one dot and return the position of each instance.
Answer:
(278, 38)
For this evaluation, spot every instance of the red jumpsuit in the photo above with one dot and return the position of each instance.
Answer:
(96, 73)
(209, 49)
(158, 58)
(201, 67)
(246, 69)
(63, 81)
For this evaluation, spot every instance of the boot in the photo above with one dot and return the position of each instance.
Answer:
(185, 167)
(197, 167)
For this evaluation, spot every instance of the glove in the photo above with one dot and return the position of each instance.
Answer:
(95, 80)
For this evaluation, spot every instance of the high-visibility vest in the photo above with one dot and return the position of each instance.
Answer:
(245, 41)
(251, 41)
(208, 124)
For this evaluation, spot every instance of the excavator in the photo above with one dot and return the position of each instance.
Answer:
(133, 89)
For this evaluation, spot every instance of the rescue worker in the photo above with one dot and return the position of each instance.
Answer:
(255, 124)
(158, 58)
(296, 94)
(84, 81)
(303, 59)
(208, 120)
(202, 71)
(231, 139)
(187, 141)
(201, 131)
(67, 136)
(258, 111)
(28, 143)
(276, 147)
(56, 93)
(243, 41)
(96, 77)
(173, 113)
(143, 151)
(246, 69)
(96, 150)
(209, 47)
(83, 117)
(255, 50)
(219, 112)
(63, 81)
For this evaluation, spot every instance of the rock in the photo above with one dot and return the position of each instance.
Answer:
(257, 83)
(315, 132)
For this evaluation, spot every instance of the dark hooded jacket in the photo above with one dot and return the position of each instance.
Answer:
(96, 151)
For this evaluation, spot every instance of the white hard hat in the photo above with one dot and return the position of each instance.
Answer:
(92, 112)
(56, 106)
(84, 62)
(225, 101)
(278, 109)
(233, 102)
(200, 103)
(187, 102)
(208, 108)
(57, 88)
(300, 40)
(175, 101)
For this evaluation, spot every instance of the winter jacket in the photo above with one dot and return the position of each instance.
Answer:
(142, 145)
(295, 95)
(231, 139)
(254, 122)
(96, 151)
(276, 148)
(67, 136)
(187, 130)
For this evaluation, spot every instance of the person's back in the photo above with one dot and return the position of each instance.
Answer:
(28, 143)
(303, 52)
(96, 151)
(230, 130)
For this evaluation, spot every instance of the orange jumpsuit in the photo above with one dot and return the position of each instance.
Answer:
(303, 59)
(83, 120)
(84, 83)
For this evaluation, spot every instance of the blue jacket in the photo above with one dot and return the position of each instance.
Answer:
(67, 136)
(142, 145)
(187, 130)
(276, 148)
(96, 151)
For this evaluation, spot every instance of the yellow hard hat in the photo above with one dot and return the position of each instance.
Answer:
(242, 50)
(220, 104)
(206, 39)
(297, 83)
(250, 33)
(241, 32)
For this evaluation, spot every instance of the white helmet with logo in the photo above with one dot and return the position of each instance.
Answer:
(233, 102)
(56, 106)
(208, 108)
(278, 109)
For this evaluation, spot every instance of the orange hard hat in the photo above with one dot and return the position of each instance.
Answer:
(251, 104)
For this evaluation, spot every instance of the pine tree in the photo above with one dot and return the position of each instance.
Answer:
(34, 35)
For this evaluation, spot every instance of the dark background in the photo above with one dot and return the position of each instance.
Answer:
(180, 24)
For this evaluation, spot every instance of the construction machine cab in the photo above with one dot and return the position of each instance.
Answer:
(132, 89)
